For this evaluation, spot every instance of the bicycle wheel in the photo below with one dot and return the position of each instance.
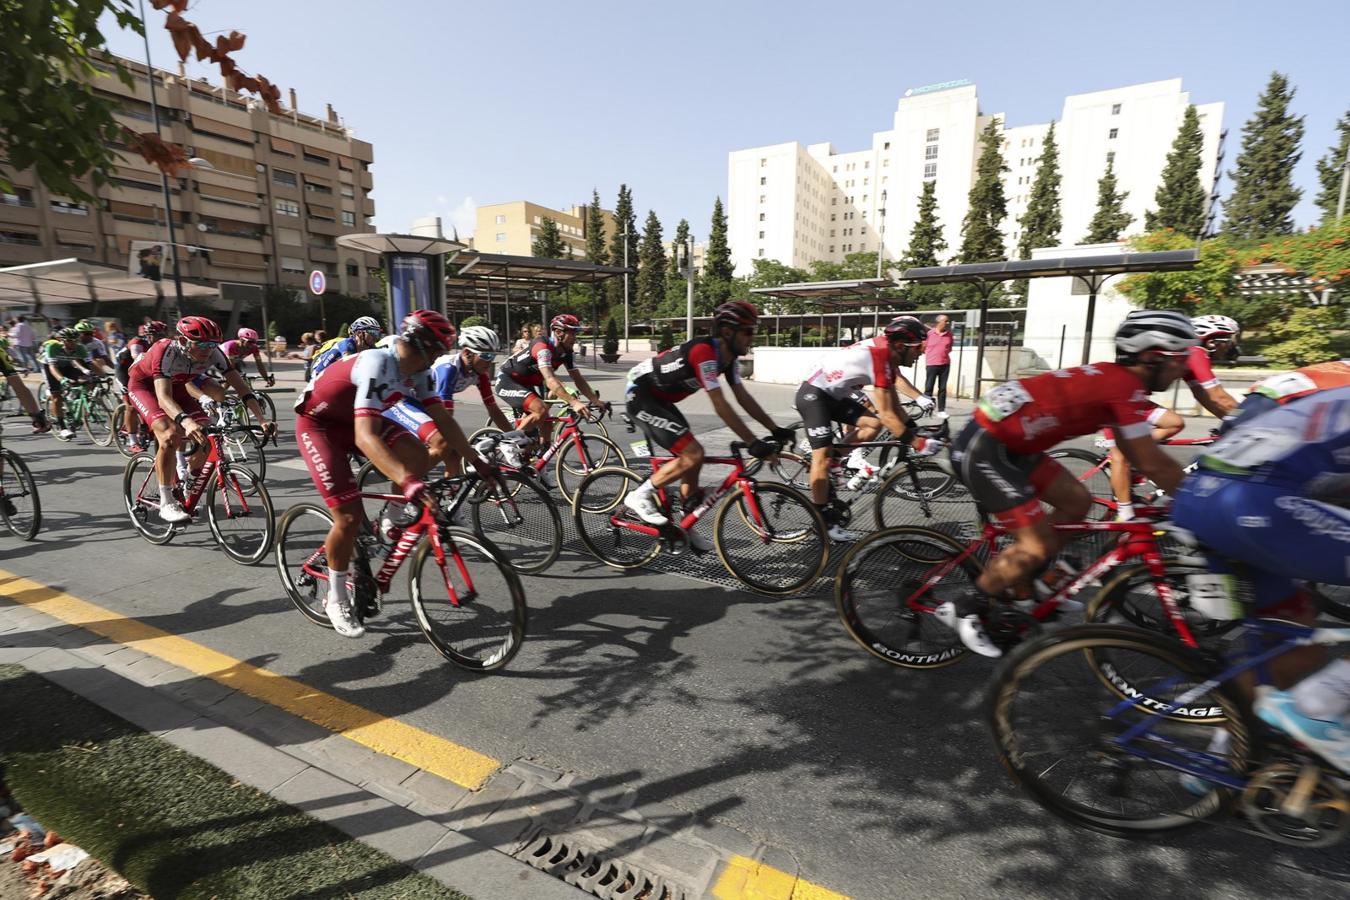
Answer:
(470, 605)
(268, 405)
(300, 560)
(775, 543)
(792, 469)
(239, 512)
(922, 493)
(44, 393)
(19, 505)
(1059, 730)
(607, 527)
(883, 595)
(140, 496)
(120, 435)
(240, 447)
(582, 455)
(1094, 472)
(521, 520)
(99, 422)
(482, 433)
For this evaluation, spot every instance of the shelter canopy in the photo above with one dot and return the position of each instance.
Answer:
(66, 281)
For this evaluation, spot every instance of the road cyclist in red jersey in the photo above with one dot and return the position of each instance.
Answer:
(1000, 453)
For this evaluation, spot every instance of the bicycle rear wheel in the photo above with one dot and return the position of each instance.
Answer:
(606, 526)
(239, 513)
(521, 520)
(922, 493)
(1059, 731)
(140, 496)
(19, 505)
(883, 596)
(471, 606)
(300, 559)
(775, 543)
(792, 469)
(582, 455)
(1094, 473)
(99, 422)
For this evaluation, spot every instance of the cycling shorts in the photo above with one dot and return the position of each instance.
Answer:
(1005, 485)
(1278, 534)
(819, 409)
(409, 415)
(661, 421)
(325, 447)
(147, 404)
(518, 395)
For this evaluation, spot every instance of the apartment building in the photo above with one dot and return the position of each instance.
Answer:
(798, 204)
(267, 211)
(511, 228)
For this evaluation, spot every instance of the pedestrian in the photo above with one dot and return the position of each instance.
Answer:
(24, 340)
(524, 341)
(937, 359)
(115, 339)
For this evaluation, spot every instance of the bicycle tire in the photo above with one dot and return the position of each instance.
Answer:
(142, 506)
(458, 641)
(1093, 472)
(306, 590)
(793, 469)
(19, 490)
(803, 542)
(523, 522)
(1013, 699)
(245, 497)
(99, 423)
(907, 495)
(579, 457)
(268, 404)
(599, 498)
(242, 447)
(44, 393)
(888, 567)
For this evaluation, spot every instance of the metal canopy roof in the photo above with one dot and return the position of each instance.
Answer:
(469, 268)
(75, 281)
(1108, 264)
(865, 288)
(398, 243)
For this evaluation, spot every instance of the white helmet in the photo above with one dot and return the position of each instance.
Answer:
(1154, 329)
(366, 324)
(1215, 326)
(480, 339)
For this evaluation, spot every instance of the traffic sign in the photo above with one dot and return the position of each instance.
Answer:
(318, 282)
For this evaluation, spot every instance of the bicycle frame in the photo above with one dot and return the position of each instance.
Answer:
(570, 431)
(738, 477)
(216, 465)
(1103, 465)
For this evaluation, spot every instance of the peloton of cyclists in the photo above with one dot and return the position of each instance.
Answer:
(64, 359)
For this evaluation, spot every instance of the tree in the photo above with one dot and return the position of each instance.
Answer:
(981, 238)
(611, 345)
(1329, 171)
(1041, 222)
(718, 271)
(625, 236)
(1264, 195)
(1181, 197)
(1111, 218)
(549, 244)
(676, 286)
(595, 232)
(651, 281)
(926, 243)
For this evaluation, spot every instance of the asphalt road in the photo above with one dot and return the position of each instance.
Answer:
(757, 713)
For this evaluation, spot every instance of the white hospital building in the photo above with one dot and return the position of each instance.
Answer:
(798, 204)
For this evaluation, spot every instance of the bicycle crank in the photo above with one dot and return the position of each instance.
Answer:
(1300, 805)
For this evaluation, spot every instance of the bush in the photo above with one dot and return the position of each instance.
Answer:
(611, 346)
(474, 320)
(667, 337)
(1304, 337)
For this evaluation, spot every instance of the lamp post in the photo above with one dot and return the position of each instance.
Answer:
(625, 235)
(689, 287)
(881, 233)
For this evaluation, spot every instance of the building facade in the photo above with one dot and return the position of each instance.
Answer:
(798, 204)
(511, 228)
(278, 192)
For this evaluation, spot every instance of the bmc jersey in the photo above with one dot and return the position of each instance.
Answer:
(1035, 414)
(364, 385)
(523, 367)
(1199, 373)
(1302, 382)
(682, 370)
(844, 371)
(166, 359)
(452, 376)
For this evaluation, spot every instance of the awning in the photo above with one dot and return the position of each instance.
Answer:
(75, 281)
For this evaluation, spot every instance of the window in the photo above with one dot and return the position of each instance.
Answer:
(930, 152)
(314, 188)
(761, 198)
(763, 180)
(282, 177)
(20, 197)
(321, 213)
(1115, 109)
(932, 134)
(1111, 135)
(349, 219)
(353, 270)
(287, 208)
(886, 146)
(316, 158)
(1110, 157)
(348, 192)
(761, 251)
(293, 265)
(885, 163)
(288, 236)
(834, 201)
(832, 248)
(761, 235)
(763, 162)
(20, 237)
(501, 236)
(831, 232)
(832, 216)
(867, 165)
(501, 220)
(761, 217)
(835, 170)
(69, 207)
(929, 170)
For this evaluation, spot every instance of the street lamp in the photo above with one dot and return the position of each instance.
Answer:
(624, 236)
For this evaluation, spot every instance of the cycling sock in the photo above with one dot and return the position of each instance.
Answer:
(645, 488)
(1124, 512)
(165, 495)
(337, 585)
(1325, 694)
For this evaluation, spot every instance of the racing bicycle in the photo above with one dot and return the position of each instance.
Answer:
(574, 452)
(20, 508)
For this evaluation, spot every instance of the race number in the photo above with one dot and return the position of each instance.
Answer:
(1004, 400)
(1249, 448)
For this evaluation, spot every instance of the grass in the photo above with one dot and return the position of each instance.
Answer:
(168, 822)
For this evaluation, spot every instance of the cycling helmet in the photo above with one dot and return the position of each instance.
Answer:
(198, 328)
(1154, 329)
(154, 328)
(366, 324)
(480, 339)
(84, 327)
(906, 329)
(67, 334)
(565, 322)
(737, 314)
(1215, 327)
(248, 334)
(429, 332)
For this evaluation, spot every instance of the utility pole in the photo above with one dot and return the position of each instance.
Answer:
(163, 176)
(689, 288)
(625, 236)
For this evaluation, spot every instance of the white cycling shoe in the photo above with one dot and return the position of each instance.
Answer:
(343, 618)
(968, 628)
(643, 505)
(173, 512)
(841, 535)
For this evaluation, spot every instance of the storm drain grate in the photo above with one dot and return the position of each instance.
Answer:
(611, 879)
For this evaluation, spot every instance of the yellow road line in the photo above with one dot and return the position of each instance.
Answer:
(743, 878)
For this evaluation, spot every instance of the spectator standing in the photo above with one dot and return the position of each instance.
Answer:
(113, 336)
(24, 340)
(524, 341)
(937, 360)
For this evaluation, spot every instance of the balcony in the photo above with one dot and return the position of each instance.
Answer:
(322, 255)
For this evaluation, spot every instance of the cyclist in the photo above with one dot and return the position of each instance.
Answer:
(1000, 453)
(1217, 334)
(362, 335)
(134, 349)
(528, 378)
(158, 386)
(1272, 495)
(342, 410)
(247, 344)
(827, 396)
(64, 359)
(654, 387)
(98, 350)
(1277, 390)
(453, 372)
(26, 399)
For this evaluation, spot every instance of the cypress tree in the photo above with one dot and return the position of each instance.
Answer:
(981, 239)
(1264, 195)
(595, 232)
(1041, 222)
(1181, 196)
(1111, 218)
(925, 238)
(1329, 171)
(651, 281)
(675, 276)
(549, 242)
(717, 267)
(625, 220)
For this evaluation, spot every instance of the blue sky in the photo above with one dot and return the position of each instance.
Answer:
(483, 103)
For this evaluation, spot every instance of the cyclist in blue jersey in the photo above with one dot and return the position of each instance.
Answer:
(362, 335)
(1273, 494)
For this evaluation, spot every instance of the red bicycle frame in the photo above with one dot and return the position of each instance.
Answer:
(201, 479)
(735, 478)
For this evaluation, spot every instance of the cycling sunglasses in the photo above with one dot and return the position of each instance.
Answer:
(486, 357)
(205, 345)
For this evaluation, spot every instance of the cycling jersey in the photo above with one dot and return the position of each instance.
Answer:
(1199, 373)
(523, 367)
(1289, 386)
(166, 358)
(1034, 414)
(451, 376)
(681, 371)
(128, 354)
(1300, 445)
(54, 352)
(237, 350)
(364, 385)
(330, 353)
(841, 372)
(97, 349)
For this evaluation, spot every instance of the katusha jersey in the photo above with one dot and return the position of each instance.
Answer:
(364, 385)
(166, 359)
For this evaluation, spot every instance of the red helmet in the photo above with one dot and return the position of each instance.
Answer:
(429, 332)
(153, 328)
(906, 330)
(565, 322)
(198, 328)
(736, 313)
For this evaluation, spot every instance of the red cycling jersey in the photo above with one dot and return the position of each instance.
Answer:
(166, 359)
(1199, 373)
(1035, 414)
(364, 385)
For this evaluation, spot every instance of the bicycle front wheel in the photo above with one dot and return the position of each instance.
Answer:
(301, 561)
(469, 604)
(887, 587)
(608, 528)
(582, 455)
(922, 493)
(521, 520)
(140, 496)
(19, 504)
(774, 542)
(241, 449)
(99, 420)
(1061, 733)
(239, 512)
(792, 469)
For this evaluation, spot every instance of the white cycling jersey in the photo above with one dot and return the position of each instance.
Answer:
(842, 372)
